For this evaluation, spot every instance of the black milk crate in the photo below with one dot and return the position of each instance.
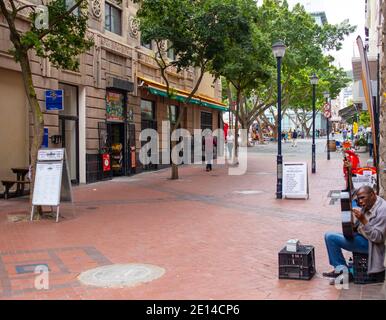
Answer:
(360, 270)
(297, 265)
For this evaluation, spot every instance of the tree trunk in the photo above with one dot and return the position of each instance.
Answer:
(382, 109)
(37, 115)
(261, 135)
(235, 159)
(174, 166)
(174, 172)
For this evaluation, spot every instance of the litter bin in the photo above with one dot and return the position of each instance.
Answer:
(331, 145)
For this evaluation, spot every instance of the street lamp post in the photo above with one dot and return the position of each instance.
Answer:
(314, 82)
(278, 50)
(328, 114)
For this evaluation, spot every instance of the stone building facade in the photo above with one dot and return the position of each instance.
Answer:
(117, 92)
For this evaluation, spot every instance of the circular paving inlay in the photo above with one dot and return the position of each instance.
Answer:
(121, 275)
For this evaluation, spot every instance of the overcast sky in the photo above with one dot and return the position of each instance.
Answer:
(337, 11)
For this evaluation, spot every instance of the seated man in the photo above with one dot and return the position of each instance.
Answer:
(369, 237)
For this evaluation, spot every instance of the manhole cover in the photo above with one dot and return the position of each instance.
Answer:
(120, 275)
(248, 192)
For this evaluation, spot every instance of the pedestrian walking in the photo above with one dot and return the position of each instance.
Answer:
(230, 142)
(209, 143)
(294, 138)
(344, 134)
(370, 143)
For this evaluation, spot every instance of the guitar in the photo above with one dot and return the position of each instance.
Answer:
(346, 204)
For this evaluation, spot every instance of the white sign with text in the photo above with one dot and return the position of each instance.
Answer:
(295, 180)
(52, 180)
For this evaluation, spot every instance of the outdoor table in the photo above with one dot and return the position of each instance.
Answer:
(20, 176)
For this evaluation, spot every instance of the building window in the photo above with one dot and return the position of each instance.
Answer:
(206, 120)
(147, 110)
(113, 19)
(70, 4)
(174, 113)
(146, 44)
(171, 54)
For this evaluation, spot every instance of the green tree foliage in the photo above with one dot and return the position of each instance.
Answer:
(60, 41)
(364, 119)
(199, 33)
(306, 44)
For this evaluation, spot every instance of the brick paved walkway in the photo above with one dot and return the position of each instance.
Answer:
(213, 241)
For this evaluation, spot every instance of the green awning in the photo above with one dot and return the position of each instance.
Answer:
(182, 99)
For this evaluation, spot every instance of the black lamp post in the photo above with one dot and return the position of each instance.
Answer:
(327, 114)
(278, 49)
(314, 82)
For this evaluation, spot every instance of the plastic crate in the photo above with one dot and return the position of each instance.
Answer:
(360, 270)
(297, 265)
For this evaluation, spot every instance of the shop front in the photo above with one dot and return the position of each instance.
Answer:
(117, 133)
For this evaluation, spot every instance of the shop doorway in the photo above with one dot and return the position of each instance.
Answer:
(69, 130)
(116, 133)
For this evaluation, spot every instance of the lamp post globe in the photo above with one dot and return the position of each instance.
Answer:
(326, 95)
(314, 81)
(278, 49)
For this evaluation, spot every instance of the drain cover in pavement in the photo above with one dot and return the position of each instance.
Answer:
(248, 192)
(120, 275)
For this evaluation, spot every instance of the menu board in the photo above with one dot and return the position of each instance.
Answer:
(295, 180)
(48, 181)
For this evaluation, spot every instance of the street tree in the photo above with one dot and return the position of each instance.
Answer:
(331, 79)
(56, 31)
(245, 64)
(306, 44)
(197, 32)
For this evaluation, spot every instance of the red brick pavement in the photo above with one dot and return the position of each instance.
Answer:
(212, 242)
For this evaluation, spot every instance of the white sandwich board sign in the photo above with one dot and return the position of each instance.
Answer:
(295, 180)
(52, 180)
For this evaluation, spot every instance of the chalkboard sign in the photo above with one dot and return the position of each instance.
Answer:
(52, 180)
(295, 180)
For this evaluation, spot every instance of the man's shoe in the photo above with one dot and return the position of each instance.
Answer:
(350, 279)
(331, 274)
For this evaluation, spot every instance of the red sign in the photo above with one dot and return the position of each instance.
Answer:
(327, 113)
(106, 162)
(132, 151)
(327, 110)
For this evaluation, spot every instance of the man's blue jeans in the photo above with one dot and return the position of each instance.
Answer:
(371, 146)
(335, 242)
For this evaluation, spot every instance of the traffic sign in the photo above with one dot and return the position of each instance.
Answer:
(327, 113)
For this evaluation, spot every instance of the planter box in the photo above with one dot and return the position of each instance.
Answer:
(361, 149)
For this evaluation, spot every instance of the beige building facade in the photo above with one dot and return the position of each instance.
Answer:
(117, 92)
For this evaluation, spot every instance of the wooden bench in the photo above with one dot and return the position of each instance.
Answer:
(9, 183)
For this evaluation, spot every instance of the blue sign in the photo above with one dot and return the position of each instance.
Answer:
(54, 100)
